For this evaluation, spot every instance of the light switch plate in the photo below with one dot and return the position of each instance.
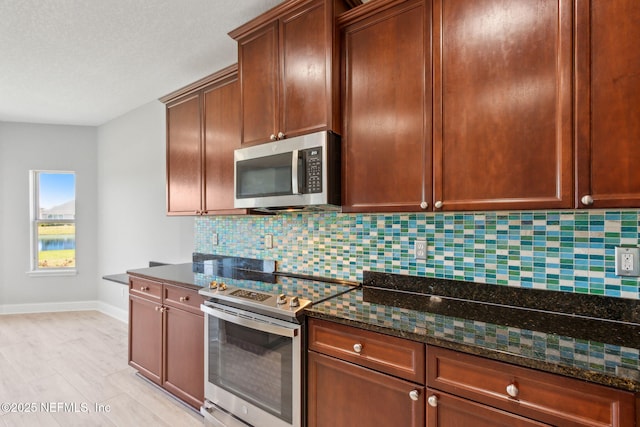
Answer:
(627, 261)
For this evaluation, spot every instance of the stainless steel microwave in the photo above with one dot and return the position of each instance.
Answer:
(301, 173)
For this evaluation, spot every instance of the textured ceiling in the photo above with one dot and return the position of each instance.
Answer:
(85, 62)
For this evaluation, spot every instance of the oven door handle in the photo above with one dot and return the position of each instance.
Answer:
(250, 323)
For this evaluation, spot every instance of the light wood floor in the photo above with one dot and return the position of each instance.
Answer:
(71, 370)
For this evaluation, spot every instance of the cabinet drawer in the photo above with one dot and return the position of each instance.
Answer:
(391, 355)
(537, 395)
(184, 298)
(145, 288)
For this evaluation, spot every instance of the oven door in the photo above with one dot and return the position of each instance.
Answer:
(253, 366)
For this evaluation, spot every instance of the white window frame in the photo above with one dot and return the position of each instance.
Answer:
(34, 208)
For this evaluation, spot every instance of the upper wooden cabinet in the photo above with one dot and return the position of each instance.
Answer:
(608, 103)
(184, 167)
(203, 130)
(288, 71)
(492, 130)
(502, 104)
(387, 107)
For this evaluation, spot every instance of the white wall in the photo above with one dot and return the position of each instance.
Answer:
(121, 220)
(133, 226)
(32, 146)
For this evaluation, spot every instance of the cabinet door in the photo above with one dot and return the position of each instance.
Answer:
(184, 355)
(306, 41)
(387, 110)
(342, 394)
(184, 166)
(145, 337)
(542, 396)
(445, 410)
(221, 115)
(258, 74)
(502, 104)
(608, 103)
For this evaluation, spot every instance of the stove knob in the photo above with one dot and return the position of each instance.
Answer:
(294, 302)
(282, 299)
(222, 287)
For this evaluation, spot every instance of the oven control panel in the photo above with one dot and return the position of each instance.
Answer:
(279, 305)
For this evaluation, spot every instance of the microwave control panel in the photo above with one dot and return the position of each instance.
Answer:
(313, 166)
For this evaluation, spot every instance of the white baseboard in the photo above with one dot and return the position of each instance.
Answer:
(113, 311)
(108, 309)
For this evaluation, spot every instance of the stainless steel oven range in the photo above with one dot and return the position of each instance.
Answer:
(254, 343)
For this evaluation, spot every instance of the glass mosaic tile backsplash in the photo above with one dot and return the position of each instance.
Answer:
(571, 251)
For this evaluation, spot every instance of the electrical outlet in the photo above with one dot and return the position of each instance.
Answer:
(627, 261)
(214, 239)
(268, 241)
(420, 249)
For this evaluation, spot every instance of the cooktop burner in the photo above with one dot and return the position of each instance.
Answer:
(280, 295)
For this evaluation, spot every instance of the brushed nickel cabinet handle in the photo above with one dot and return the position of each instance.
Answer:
(512, 390)
(587, 200)
(433, 401)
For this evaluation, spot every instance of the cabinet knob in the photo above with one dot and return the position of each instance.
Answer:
(414, 394)
(357, 348)
(157, 308)
(280, 135)
(273, 137)
(424, 205)
(587, 200)
(183, 299)
(512, 390)
(438, 204)
(144, 288)
(433, 400)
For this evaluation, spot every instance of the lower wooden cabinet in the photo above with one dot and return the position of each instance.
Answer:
(145, 337)
(448, 410)
(536, 395)
(363, 378)
(184, 355)
(166, 337)
(342, 394)
(360, 378)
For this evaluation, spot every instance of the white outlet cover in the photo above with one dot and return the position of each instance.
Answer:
(627, 261)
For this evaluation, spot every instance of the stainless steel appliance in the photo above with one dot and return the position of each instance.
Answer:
(254, 345)
(301, 173)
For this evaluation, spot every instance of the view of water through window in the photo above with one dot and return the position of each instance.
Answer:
(56, 214)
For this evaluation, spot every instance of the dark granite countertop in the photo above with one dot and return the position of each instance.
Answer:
(204, 268)
(593, 339)
(177, 274)
(570, 344)
(121, 278)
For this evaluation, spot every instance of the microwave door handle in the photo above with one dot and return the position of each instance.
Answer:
(295, 189)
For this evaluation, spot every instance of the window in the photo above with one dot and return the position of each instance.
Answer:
(53, 221)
